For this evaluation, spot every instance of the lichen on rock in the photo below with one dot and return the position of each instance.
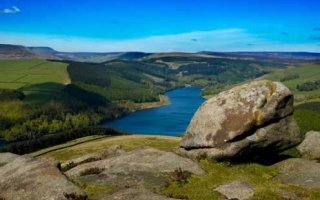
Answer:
(246, 120)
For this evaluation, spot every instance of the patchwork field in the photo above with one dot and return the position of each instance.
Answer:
(34, 77)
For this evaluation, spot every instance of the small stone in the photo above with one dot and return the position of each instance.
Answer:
(310, 147)
(300, 172)
(236, 190)
(136, 194)
(288, 195)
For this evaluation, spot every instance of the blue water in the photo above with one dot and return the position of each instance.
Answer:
(2, 143)
(171, 120)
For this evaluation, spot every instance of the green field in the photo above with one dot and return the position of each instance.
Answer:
(38, 79)
(291, 77)
(299, 75)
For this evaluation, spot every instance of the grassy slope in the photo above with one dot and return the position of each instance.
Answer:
(39, 79)
(307, 116)
(306, 72)
(198, 187)
(129, 142)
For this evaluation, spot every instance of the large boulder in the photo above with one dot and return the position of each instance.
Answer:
(310, 147)
(248, 120)
(24, 178)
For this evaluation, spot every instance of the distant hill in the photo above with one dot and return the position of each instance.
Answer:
(286, 57)
(15, 52)
(21, 52)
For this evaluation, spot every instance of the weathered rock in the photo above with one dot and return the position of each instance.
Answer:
(249, 119)
(300, 172)
(310, 147)
(148, 167)
(26, 178)
(147, 159)
(7, 157)
(114, 150)
(136, 194)
(288, 195)
(236, 190)
(80, 160)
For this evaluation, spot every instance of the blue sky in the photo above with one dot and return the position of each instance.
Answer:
(162, 25)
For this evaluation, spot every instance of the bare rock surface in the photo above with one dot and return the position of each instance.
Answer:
(288, 195)
(7, 157)
(114, 150)
(26, 178)
(300, 172)
(236, 190)
(310, 147)
(136, 194)
(244, 121)
(147, 159)
(144, 168)
(82, 159)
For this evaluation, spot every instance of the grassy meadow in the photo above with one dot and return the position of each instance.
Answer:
(38, 79)
(294, 76)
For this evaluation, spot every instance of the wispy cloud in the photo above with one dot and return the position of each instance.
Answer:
(12, 10)
(215, 40)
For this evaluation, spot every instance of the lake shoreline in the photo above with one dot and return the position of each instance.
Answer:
(173, 116)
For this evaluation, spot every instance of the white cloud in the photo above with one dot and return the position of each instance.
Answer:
(12, 10)
(214, 40)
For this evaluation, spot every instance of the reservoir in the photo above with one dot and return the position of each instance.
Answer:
(2, 143)
(169, 120)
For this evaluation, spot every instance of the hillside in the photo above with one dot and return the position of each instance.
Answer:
(48, 98)
(20, 52)
(294, 76)
(291, 76)
(143, 166)
(15, 52)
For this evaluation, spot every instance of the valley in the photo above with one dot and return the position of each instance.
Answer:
(83, 114)
(50, 95)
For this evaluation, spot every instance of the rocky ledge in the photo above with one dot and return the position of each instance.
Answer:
(132, 175)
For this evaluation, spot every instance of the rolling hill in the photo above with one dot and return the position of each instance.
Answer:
(46, 95)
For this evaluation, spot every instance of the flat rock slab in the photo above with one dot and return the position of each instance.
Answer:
(310, 147)
(7, 157)
(146, 160)
(236, 190)
(300, 172)
(26, 178)
(136, 194)
(148, 167)
(114, 150)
